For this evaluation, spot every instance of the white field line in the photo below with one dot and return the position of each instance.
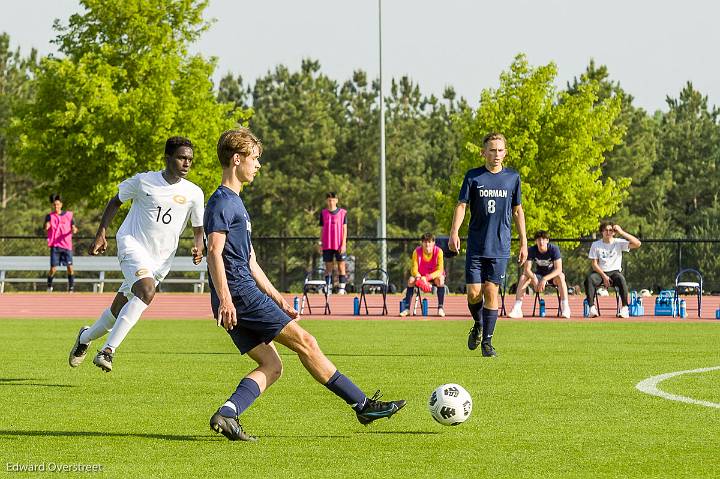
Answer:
(650, 386)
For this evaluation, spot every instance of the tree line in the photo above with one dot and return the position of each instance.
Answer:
(81, 121)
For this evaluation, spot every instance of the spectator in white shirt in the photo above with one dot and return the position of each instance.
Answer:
(606, 256)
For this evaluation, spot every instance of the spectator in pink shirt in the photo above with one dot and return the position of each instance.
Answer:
(60, 226)
(333, 237)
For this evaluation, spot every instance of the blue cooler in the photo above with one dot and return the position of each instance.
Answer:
(636, 305)
(665, 303)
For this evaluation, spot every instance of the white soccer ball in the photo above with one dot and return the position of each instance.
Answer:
(450, 404)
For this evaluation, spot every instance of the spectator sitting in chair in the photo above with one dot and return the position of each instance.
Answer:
(548, 269)
(427, 268)
(606, 256)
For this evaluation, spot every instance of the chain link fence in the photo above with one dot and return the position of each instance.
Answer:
(286, 260)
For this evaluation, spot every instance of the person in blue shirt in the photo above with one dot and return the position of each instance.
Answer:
(249, 307)
(494, 195)
(548, 270)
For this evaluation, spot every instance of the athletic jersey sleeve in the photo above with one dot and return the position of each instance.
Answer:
(517, 193)
(464, 196)
(129, 188)
(345, 217)
(47, 218)
(555, 253)
(218, 219)
(414, 271)
(197, 209)
(624, 244)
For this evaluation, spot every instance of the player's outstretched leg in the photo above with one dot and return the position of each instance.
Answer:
(79, 350)
(324, 371)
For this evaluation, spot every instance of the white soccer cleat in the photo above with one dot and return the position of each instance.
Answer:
(624, 312)
(441, 312)
(404, 312)
(341, 291)
(565, 313)
(516, 312)
(593, 312)
(79, 350)
(103, 359)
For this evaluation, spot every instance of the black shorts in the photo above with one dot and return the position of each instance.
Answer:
(258, 321)
(332, 254)
(60, 257)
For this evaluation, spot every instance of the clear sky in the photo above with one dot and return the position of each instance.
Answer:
(652, 47)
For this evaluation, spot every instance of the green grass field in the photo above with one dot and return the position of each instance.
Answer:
(559, 401)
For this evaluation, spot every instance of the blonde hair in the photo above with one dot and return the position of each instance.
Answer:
(238, 140)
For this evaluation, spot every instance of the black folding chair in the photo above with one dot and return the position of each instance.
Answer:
(375, 280)
(683, 286)
(596, 300)
(315, 283)
(557, 291)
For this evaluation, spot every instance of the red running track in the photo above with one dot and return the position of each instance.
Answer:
(197, 306)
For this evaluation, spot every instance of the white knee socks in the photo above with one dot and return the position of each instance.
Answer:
(129, 315)
(99, 327)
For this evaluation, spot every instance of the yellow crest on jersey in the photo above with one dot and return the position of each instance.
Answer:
(179, 199)
(141, 271)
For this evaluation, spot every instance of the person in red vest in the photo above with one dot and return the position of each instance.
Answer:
(60, 226)
(427, 267)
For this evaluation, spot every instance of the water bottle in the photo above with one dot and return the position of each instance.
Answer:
(683, 309)
(717, 313)
(542, 308)
(356, 306)
(296, 304)
(424, 307)
(586, 308)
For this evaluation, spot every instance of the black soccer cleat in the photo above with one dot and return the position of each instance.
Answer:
(376, 409)
(229, 427)
(474, 337)
(78, 351)
(487, 349)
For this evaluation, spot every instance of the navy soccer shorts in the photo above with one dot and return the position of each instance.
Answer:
(258, 321)
(333, 254)
(60, 257)
(480, 270)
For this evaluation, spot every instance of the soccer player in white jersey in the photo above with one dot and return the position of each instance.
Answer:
(147, 240)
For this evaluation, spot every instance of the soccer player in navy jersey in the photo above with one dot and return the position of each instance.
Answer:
(249, 307)
(493, 193)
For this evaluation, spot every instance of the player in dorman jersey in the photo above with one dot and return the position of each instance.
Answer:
(494, 195)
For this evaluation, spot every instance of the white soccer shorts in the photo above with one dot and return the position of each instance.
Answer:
(137, 264)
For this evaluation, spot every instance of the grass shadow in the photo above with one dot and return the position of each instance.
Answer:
(103, 434)
(23, 382)
(414, 433)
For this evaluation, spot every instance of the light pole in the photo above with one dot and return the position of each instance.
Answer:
(382, 227)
